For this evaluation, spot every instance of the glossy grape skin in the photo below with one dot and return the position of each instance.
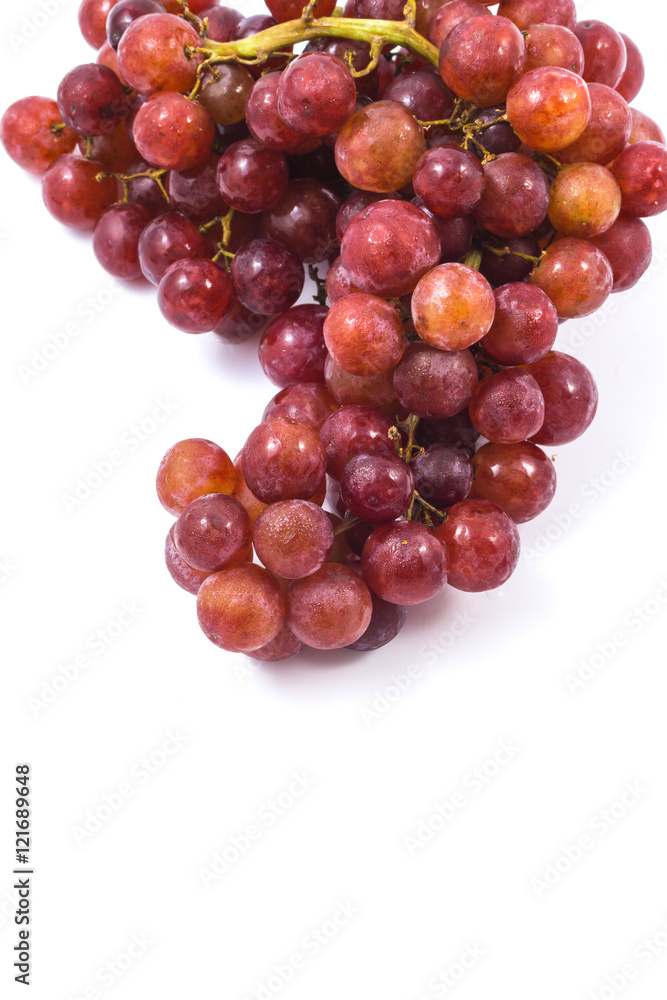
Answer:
(354, 430)
(405, 563)
(122, 16)
(605, 56)
(316, 94)
(585, 200)
(442, 475)
(172, 132)
(633, 76)
(549, 108)
(525, 325)
(268, 276)
(282, 647)
(283, 460)
(31, 132)
(356, 202)
(338, 282)
(456, 430)
(423, 94)
(116, 240)
(252, 177)
(627, 247)
(426, 11)
(481, 58)
(72, 193)
(222, 22)
(641, 172)
(167, 239)
(152, 54)
(364, 334)
(304, 218)
(450, 182)
(266, 125)
(575, 275)
(330, 608)
(194, 193)
(92, 100)
(508, 407)
(241, 609)
(554, 45)
(377, 487)
(292, 347)
(525, 13)
(194, 295)
(224, 90)
(240, 324)
(453, 307)
(449, 15)
(645, 129)
(293, 538)
(518, 477)
(388, 247)
(504, 270)
(377, 149)
(191, 469)
(483, 545)
(375, 390)
(607, 132)
(306, 402)
(386, 622)
(516, 196)
(93, 20)
(187, 577)
(570, 398)
(435, 384)
(455, 234)
(384, 10)
(213, 532)
(290, 10)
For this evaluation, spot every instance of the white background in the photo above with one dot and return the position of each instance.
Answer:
(382, 739)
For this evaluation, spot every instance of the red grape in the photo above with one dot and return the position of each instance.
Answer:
(627, 247)
(154, 54)
(607, 132)
(283, 460)
(518, 477)
(306, 402)
(405, 563)
(33, 133)
(72, 193)
(213, 532)
(549, 108)
(364, 334)
(483, 545)
(432, 383)
(605, 57)
(116, 239)
(442, 474)
(241, 609)
(194, 295)
(585, 200)
(570, 398)
(453, 307)
(252, 177)
(316, 94)
(185, 576)
(330, 608)
(377, 149)
(354, 430)
(575, 275)
(377, 487)
(516, 196)
(191, 469)
(633, 76)
(292, 347)
(508, 407)
(641, 172)
(481, 58)
(268, 276)
(172, 132)
(525, 325)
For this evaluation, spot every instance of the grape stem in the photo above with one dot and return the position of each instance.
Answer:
(154, 175)
(508, 252)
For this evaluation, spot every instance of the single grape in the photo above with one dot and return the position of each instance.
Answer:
(481, 58)
(453, 307)
(158, 52)
(330, 608)
(290, 10)
(194, 295)
(504, 268)
(252, 177)
(525, 325)
(304, 218)
(72, 193)
(570, 398)
(448, 16)
(283, 460)
(376, 391)
(378, 147)
(388, 247)
(627, 247)
(549, 108)
(435, 384)
(92, 100)
(354, 430)
(423, 94)
(508, 407)
(282, 647)
(306, 402)
(633, 76)
(34, 135)
(483, 545)
(364, 334)
(575, 275)
(190, 469)
(607, 132)
(93, 16)
(293, 538)
(386, 622)
(516, 196)
(265, 123)
(450, 182)
(377, 487)
(554, 45)
(195, 193)
(585, 200)
(222, 22)
(224, 90)
(167, 239)
(641, 172)
(268, 276)
(124, 13)
(213, 532)
(185, 576)
(605, 56)
(172, 132)
(518, 477)
(442, 475)
(241, 609)
(116, 240)
(405, 563)
(526, 13)
(316, 94)
(292, 348)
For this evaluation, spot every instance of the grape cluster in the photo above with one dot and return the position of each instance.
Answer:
(470, 178)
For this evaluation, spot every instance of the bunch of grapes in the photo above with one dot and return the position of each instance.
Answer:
(470, 179)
